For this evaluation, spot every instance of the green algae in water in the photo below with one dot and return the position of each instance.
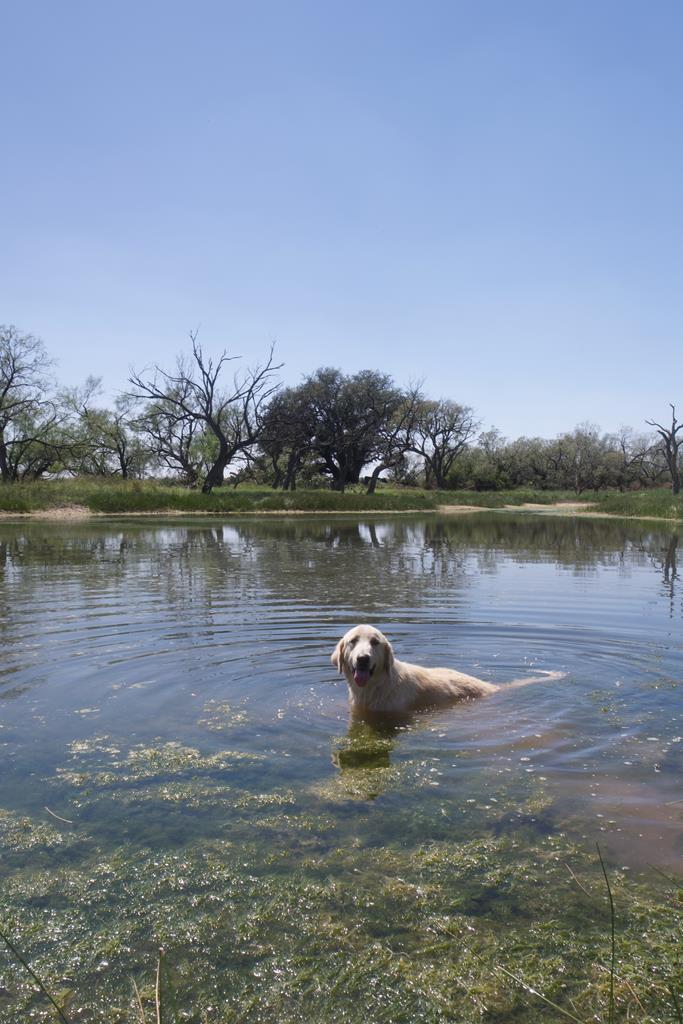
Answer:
(221, 715)
(302, 902)
(20, 833)
(422, 929)
(298, 911)
(169, 772)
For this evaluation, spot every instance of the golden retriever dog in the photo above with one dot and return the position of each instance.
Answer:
(379, 682)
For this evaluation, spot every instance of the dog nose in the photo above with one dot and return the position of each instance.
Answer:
(363, 660)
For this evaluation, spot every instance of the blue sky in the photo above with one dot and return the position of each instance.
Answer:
(484, 195)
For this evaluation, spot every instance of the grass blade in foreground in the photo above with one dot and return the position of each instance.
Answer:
(24, 963)
(613, 947)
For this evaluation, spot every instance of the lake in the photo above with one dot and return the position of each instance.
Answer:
(180, 771)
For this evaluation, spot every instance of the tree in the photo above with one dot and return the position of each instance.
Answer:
(490, 461)
(579, 458)
(442, 431)
(29, 419)
(174, 440)
(629, 459)
(286, 439)
(230, 417)
(670, 445)
(395, 435)
(105, 442)
(333, 424)
(351, 417)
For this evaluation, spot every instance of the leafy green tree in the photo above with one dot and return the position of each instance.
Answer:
(395, 435)
(31, 434)
(487, 465)
(332, 425)
(442, 431)
(287, 435)
(579, 459)
(630, 459)
(104, 442)
(351, 418)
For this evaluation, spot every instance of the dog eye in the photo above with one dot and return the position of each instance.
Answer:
(352, 641)
(374, 641)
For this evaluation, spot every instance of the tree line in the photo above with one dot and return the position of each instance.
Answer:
(207, 421)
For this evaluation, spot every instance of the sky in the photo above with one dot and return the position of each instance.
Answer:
(485, 196)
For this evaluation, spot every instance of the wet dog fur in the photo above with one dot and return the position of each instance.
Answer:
(379, 682)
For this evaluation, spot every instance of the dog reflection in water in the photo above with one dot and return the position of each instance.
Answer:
(366, 745)
(363, 757)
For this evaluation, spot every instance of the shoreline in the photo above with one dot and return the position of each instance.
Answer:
(80, 513)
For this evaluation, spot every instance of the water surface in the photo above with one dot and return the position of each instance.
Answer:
(180, 768)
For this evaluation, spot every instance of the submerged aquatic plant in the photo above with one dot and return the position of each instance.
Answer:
(436, 931)
(271, 895)
(38, 980)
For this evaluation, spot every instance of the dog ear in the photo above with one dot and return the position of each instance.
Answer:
(388, 655)
(337, 657)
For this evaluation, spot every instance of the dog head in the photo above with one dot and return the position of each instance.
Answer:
(363, 654)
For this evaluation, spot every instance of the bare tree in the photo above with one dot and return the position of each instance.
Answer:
(175, 441)
(670, 446)
(230, 417)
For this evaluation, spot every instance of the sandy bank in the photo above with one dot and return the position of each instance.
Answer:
(71, 513)
(568, 508)
(76, 513)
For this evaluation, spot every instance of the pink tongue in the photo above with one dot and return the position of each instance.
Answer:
(361, 676)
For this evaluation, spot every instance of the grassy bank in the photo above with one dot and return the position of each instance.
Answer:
(660, 504)
(502, 499)
(120, 496)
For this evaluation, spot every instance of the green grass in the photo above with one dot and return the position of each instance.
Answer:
(499, 499)
(116, 496)
(659, 503)
(113, 496)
